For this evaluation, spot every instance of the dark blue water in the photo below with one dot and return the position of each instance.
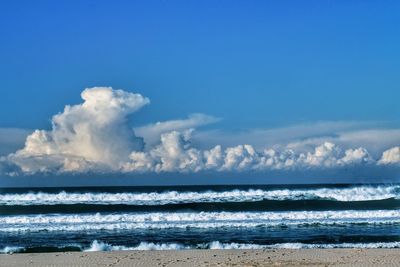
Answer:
(204, 217)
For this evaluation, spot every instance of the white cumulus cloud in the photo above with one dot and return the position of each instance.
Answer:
(96, 136)
(92, 133)
(391, 156)
(175, 154)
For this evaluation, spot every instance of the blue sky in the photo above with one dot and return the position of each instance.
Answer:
(258, 68)
(254, 63)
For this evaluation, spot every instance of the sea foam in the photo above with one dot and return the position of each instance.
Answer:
(143, 246)
(356, 193)
(164, 220)
(101, 246)
(11, 250)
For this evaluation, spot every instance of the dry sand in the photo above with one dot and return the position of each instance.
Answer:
(268, 257)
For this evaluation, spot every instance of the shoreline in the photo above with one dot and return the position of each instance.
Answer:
(254, 257)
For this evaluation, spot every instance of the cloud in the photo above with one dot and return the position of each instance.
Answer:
(175, 154)
(89, 134)
(391, 156)
(304, 137)
(261, 138)
(375, 140)
(152, 132)
(96, 136)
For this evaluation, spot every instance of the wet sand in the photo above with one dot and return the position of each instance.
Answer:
(267, 257)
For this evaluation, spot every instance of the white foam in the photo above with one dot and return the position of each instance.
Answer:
(162, 220)
(11, 250)
(339, 245)
(100, 246)
(220, 245)
(162, 246)
(358, 193)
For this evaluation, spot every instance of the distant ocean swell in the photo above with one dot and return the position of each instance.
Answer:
(240, 217)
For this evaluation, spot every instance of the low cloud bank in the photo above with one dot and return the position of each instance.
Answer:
(96, 136)
(175, 154)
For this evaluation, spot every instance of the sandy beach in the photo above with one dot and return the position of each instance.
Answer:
(268, 257)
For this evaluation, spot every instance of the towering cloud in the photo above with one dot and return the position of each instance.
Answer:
(173, 154)
(97, 136)
(92, 133)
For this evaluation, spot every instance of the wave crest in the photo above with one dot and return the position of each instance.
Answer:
(143, 246)
(165, 220)
(357, 193)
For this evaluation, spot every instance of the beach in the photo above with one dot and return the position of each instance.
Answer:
(199, 133)
(257, 257)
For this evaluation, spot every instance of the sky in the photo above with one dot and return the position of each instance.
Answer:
(200, 91)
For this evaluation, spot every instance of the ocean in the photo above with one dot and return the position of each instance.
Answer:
(199, 217)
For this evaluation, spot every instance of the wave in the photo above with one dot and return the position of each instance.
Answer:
(164, 220)
(356, 193)
(143, 246)
(11, 250)
(101, 246)
(219, 245)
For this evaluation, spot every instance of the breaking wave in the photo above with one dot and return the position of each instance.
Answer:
(164, 220)
(143, 246)
(356, 193)
(10, 250)
(176, 218)
(101, 246)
